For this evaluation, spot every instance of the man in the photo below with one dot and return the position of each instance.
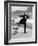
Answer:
(23, 21)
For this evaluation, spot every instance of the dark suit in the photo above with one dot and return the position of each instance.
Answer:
(23, 21)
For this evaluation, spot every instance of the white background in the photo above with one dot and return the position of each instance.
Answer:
(2, 25)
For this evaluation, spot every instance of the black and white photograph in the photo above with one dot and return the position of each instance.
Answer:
(20, 22)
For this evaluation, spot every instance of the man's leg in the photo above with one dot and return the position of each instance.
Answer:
(25, 28)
